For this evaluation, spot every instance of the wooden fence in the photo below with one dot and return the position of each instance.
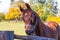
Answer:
(32, 38)
(9, 35)
(6, 35)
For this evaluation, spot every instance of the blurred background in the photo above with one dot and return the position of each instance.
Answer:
(11, 16)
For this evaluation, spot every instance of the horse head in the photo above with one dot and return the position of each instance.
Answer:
(29, 19)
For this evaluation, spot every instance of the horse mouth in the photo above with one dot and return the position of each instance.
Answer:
(29, 30)
(28, 33)
(27, 27)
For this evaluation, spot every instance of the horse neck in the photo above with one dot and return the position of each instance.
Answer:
(39, 21)
(41, 24)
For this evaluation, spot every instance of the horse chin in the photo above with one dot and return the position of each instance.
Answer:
(28, 33)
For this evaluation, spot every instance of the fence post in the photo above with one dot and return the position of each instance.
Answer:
(6, 35)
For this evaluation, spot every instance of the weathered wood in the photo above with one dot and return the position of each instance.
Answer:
(32, 38)
(9, 35)
(6, 35)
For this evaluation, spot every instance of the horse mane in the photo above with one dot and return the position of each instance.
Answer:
(38, 24)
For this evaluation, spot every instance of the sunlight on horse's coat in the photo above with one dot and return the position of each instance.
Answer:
(51, 29)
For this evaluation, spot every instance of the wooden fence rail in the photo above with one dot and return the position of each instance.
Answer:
(9, 35)
(32, 38)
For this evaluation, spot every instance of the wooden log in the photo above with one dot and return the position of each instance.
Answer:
(32, 37)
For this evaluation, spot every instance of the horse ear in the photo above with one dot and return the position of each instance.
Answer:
(28, 6)
(21, 9)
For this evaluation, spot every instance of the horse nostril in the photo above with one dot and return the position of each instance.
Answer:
(27, 28)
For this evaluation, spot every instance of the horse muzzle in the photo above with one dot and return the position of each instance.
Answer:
(29, 30)
(27, 27)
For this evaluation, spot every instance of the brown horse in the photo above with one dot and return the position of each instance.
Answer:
(34, 25)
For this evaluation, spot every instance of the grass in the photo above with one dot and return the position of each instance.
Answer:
(17, 27)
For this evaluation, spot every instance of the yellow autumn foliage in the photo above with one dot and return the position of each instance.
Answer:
(53, 18)
(7, 16)
(40, 10)
(13, 12)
